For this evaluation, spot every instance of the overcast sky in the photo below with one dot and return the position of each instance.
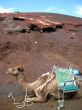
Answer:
(67, 7)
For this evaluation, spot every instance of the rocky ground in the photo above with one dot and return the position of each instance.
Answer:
(37, 52)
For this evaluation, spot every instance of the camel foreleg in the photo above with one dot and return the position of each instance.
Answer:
(41, 95)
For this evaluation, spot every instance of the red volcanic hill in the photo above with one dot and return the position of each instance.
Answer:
(37, 41)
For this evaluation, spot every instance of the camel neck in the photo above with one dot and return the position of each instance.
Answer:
(21, 78)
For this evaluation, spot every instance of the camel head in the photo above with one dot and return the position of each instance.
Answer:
(15, 70)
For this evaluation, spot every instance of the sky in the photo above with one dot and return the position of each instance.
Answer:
(67, 7)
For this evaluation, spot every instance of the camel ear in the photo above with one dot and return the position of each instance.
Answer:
(21, 69)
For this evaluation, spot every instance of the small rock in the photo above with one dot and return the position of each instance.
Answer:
(35, 42)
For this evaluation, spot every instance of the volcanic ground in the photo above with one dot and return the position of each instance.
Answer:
(37, 52)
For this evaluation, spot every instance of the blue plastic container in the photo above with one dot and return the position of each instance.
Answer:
(75, 72)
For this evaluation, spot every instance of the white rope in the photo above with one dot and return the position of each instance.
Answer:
(22, 104)
(19, 105)
(60, 101)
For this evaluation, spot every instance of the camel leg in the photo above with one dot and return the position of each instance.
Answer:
(41, 95)
(34, 99)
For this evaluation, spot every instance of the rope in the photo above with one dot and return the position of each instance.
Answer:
(60, 101)
(19, 105)
(22, 104)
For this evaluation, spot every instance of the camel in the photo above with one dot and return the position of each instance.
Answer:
(39, 90)
(45, 85)
(18, 72)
